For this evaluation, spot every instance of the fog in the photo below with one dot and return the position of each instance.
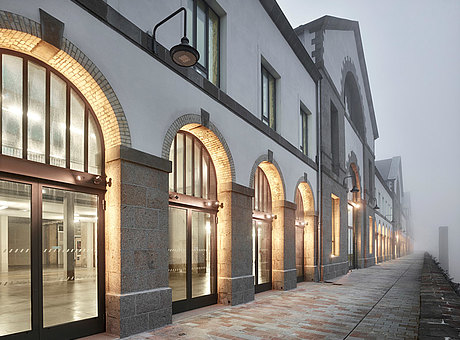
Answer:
(412, 50)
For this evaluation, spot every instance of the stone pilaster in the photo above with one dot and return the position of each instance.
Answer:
(137, 294)
(234, 235)
(284, 273)
(310, 248)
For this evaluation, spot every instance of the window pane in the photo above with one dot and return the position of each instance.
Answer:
(12, 106)
(189, 8)
(172, 173)
(264, 251)
(69, 256)
(58, 121)
(213, 48)
(299, 250)
(205, 182)
(77, 132)
(188, 165)
(201, 32)
(177, 250)
(272, 102)
(264, 94)
(203, 261)
(15, 228)
(94, 147)
(197, 170)
(180, 163)
(36, 113)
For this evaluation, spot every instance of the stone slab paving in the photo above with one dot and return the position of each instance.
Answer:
(440, 304)
(379, 302)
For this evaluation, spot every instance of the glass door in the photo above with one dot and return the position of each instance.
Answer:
(299, 252)
(351, 257)
(192, 258)
(51, 278)
(262, 255)
(15, 258)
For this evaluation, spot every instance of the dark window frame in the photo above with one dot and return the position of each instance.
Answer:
(304, 131)
(202, 69)
(269, 76)
(25, 97)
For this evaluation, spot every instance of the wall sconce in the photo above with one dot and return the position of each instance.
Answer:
(354, 189)
(375, 206)
(182, 54)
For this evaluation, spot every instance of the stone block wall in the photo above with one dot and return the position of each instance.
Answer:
(137, 294)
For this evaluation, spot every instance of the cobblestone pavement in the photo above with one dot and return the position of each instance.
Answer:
(379, 302)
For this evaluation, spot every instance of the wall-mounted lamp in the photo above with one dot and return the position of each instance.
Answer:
(182, 54)
(354, 189)
(374, 203)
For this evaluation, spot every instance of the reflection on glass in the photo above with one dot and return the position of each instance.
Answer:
(189, 7)
(94, 147)
(15, 289)
(200, 32)
(180, 164)
(36, 113)
(213, 35)
(254, 258)
(203, 264)
(12, 106)
(58, 119)
(188, 165)
(205, 175)
(77, 132)
(178, 253)
(197, 170)
(171, 174)
(299, 250)
(264, 251)
(69, 256)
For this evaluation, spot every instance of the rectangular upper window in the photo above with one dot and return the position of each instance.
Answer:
(268, 98)
(203, 30)
(305, 134)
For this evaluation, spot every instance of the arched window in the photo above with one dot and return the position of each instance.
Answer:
(353, 105)
(44, 118)
(193, 170)
(262, 195)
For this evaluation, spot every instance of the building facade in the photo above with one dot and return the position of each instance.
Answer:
(132, 188)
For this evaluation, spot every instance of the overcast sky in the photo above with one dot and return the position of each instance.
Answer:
(412, 51)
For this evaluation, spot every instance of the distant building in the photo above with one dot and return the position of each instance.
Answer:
(444, 247)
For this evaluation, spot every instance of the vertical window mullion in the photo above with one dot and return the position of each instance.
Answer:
(47, 118)
(208, 180)
(86, 140)
(25, 105)
(67, 128)
(206, 38)
(184, 164)
(193, 166)
(194, 23)
(201, 171)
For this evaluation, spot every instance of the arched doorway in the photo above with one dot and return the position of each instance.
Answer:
(52, 186)
(193, 208)
(354, 208)
(262, 232)
(299, 237)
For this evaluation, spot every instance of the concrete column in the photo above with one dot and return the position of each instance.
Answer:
(138, 297)
(284, 274)
(3, 243)
(234, 251)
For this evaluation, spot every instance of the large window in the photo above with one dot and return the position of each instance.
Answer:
(204, 33)
(335, 225)
(44, 118)
(371, 234)
(305, 127)
(268, 99)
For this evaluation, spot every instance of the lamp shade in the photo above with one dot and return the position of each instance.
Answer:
(184, 55)
(354, 189)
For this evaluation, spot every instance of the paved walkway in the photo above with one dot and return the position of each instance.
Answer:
(377, 302)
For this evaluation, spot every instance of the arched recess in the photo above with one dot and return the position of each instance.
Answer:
(309, 234)
(211, 138)
(351, 95)
(274, 176)
(23, 35)
(215, 144)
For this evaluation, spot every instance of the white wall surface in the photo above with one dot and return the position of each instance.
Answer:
(339, 45)
(153, 96)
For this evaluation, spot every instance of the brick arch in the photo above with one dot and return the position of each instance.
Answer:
(211, 138)
(23, 35)
(307, 194)
(353, 170)
(274, 176)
